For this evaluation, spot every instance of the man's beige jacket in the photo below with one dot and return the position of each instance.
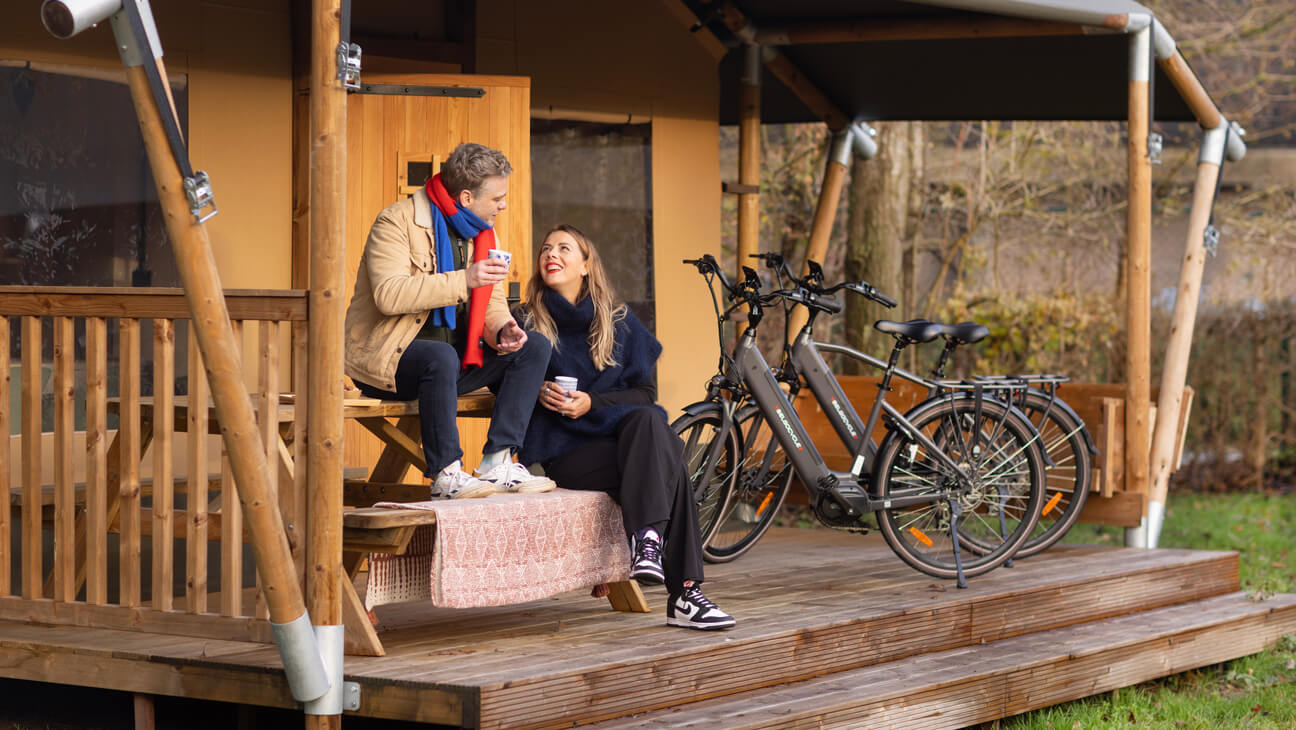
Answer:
(397, 286)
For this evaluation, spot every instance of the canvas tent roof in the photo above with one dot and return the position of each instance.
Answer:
(1080, 74)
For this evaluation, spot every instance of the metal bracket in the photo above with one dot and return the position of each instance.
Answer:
(351, 696)
(1155, 143)
(1210, 240)
(465, 92)
(198, 190)
(348, 63)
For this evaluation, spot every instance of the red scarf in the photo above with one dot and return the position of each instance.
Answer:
(478, 298)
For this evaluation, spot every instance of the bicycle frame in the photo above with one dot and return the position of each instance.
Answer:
(751, 369)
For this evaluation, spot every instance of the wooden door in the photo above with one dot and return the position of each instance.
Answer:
(390, 141)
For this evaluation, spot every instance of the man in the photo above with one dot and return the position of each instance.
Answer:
(409, 335)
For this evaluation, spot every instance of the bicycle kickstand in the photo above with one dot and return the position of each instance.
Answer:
(956, 511)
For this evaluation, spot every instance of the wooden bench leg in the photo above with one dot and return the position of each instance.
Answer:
(627, 596)
(360, 638)
(401, 447)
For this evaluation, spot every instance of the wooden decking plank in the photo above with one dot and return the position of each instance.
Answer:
(940, 690)
(471, 634)
(954, 614)
(819, 606)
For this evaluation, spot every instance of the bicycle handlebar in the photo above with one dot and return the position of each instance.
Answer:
(808, 298)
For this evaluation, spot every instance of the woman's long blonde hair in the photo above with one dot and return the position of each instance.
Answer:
(607, 309)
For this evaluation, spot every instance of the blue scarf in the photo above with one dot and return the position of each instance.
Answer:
(467, 225)
(551, 435)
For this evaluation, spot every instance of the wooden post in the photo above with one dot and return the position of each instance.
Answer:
(211, 323)
(324, 339)
(749, 148)
(1138, 279)
(839, 156)
(1175, 370)
(5, 511)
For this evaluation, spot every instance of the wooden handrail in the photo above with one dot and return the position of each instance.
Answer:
(147, 303)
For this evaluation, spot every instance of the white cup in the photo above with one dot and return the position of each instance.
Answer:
(501, 254)
(568, 384)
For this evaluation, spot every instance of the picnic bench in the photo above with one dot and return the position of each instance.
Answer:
(368, 530)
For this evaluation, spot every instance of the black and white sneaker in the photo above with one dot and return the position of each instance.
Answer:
(692, 610)
(645, 564)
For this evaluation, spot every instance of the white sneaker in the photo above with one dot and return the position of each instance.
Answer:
(510, 476)
(455, 483)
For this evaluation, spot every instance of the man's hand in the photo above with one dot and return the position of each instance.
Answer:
(484, 272)
(511, 338)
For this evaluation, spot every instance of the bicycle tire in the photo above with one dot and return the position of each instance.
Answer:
(759, 488)
(1067, 482)
(698, 431)
(993, 444)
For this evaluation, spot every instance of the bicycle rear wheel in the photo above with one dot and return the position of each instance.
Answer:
(1067, 481)
(992, 505)
(699, 431)
(760, 486)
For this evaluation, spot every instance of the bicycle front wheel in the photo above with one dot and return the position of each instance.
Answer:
(991, 501)
(760, 486)
(710, 470)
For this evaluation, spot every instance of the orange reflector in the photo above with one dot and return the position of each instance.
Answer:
(764, 503)
(1051, 504)
(920, 536)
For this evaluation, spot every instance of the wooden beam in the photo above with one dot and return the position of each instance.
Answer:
(31, 458)
(787, 72)
(821, 229)
(65, 508)
(6, 576)
(211, 322)
(815, 100)
(324, 339)
(1138, 356)
(1174, 371)
(857, 31)
(698, 30)
(1191, 90)
(167, 303)
(749, 150)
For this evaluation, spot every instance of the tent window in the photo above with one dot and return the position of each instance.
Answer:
(79, 207)
(598, 177)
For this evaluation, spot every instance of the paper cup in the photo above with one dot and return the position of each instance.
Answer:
(568, 384)
(502, 255)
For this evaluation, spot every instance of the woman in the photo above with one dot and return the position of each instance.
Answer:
(608, 434)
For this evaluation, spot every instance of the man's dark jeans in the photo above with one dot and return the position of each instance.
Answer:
(430, 373)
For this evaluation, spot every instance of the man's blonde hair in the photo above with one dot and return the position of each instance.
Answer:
(469, 165)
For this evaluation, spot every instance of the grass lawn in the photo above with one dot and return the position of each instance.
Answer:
(1258, 691)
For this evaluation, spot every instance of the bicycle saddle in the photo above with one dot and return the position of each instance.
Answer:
(964, 333)
(915, 330)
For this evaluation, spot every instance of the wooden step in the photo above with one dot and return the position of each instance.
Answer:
(795, 624)
(974, 684)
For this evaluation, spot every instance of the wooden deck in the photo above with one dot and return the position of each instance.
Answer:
(833, 631)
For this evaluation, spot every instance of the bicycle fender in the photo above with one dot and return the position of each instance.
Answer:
(698, 407)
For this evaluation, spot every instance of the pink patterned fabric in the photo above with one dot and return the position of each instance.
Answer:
(508, 548)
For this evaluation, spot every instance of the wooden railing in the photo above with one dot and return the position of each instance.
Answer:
(93, 491)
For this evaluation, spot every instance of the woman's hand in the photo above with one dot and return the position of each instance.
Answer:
(571, 404)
